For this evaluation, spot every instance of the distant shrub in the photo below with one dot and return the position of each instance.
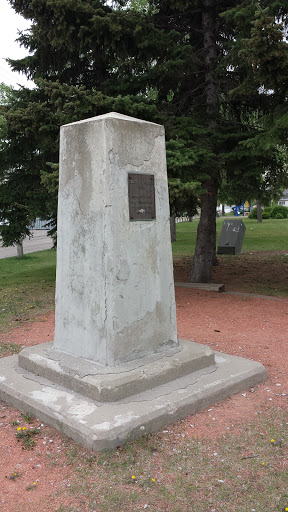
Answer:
(275, 212)
(279, 209)
(253, 214)
(265, 215)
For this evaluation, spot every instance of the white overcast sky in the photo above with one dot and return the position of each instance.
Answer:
(10, 23)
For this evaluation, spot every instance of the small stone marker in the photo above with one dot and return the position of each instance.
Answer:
(116, 370)
(231, 237)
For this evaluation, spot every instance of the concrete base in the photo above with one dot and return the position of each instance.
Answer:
(105, 425)
(110, 384)
(210, 287)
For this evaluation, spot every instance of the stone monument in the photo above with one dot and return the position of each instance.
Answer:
(114, 260)
(116, 369)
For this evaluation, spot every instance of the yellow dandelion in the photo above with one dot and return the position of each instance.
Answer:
(19, 428)
(263, 463)
(133, 477)
(35, 483)
(153, 479)
(272, 440)
(24, 428)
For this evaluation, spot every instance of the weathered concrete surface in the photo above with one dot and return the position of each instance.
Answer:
(102, 426)
(114, 287)
(109, 384)
(210, 287)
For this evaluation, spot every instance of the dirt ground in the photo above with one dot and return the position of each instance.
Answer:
(243, 325)
(265, 272)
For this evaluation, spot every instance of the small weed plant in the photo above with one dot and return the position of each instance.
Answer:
(27, 416)
(14, 476)
(27, 437)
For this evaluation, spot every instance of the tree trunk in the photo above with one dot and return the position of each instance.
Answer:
(212, 90)
(173, 228)
(259, 211)
(205, 252)
(19, 248)
(223, 210)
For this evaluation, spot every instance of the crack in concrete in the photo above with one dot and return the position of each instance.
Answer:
(200, 373)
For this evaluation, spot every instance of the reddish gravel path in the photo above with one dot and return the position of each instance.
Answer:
(242, 325)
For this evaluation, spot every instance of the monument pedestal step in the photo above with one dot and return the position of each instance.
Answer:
(110, 384)
(105, 425)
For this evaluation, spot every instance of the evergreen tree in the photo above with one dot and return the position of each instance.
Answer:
(263, 56)
(178, 62)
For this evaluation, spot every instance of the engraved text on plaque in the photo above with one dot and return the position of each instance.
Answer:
(141, 192)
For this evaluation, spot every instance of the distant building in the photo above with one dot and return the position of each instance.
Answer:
(227, 208)
(40, 224)
(283, 201)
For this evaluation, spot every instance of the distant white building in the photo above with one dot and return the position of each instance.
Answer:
(227, 208)
(283, 201)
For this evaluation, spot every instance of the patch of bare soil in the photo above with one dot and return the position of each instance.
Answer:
(262, 272)
(256, 328)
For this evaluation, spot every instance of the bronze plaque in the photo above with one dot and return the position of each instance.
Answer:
(141, 193)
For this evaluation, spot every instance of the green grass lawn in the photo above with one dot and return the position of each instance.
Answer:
(27, 287)
(270, 235)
